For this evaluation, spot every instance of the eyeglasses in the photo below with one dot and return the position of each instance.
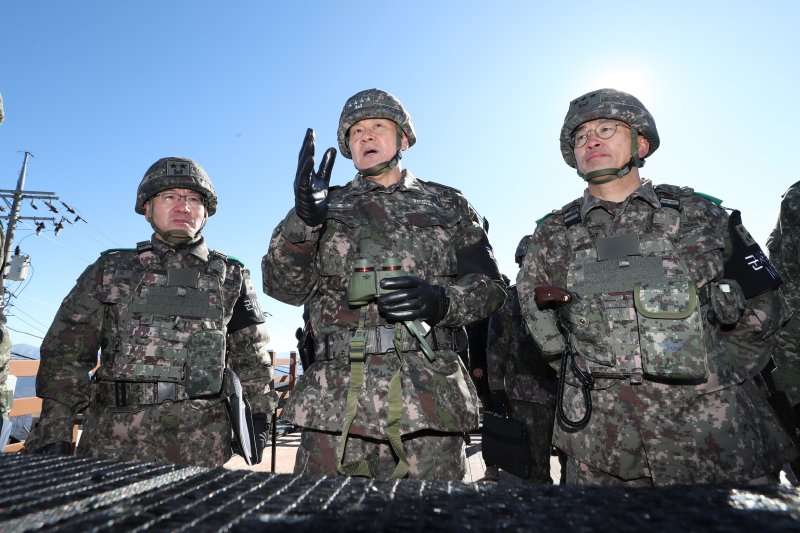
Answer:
(605, 130)
(171, 198)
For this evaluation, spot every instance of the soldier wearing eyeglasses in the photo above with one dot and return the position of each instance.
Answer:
(176, 324)
(658, 309)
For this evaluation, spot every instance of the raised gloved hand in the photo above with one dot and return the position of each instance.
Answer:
(60, 447)
(500, 402)
(261, 428)
(412, 298)
(311, 188)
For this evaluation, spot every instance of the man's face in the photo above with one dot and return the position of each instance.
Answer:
(612, 152)
(374, 141)
(177, 209)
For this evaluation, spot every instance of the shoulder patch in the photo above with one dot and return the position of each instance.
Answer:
(440, 185)
(712, 199)
(116, 250)
(548, 215)
(224, 257)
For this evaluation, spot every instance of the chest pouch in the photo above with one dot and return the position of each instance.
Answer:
(205, 363)
(671, 331)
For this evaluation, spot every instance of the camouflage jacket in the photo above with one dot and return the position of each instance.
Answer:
(95, 316)
(425, 225)
(515, 363)
(648, 336)
(784, 253)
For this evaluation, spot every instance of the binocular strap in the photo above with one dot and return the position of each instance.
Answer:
(357, 375)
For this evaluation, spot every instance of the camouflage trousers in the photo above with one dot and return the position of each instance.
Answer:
(725, 436)
(191, 432)
(432, 455)
(579, 473)
(538, 420)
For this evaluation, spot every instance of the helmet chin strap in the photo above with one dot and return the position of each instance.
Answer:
(381, 168)
(616, 173)
(178, 236)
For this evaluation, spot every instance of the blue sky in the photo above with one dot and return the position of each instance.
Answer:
(99, 90)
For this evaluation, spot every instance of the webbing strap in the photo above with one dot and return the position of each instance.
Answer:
(395, 415)
(396, 411)
(357, 358)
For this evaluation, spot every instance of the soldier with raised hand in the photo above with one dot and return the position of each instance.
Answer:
(661, 309)
(392, 268)
(177, 326)
(522, 384)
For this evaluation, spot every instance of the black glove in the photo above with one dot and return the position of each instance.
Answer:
(500, 402)
(261, 428)
(60, 447)
(311, 188)
(412, 298)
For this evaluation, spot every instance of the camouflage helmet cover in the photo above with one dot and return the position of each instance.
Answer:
(611, 104)
(522, 249)
(175, 173)
(372, 103)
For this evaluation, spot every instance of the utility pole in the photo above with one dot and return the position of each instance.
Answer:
(16, 197)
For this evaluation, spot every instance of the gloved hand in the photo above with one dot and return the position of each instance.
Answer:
(311, 188)
(60, 447)
(500, 402)
(261, 428)
(412, 298)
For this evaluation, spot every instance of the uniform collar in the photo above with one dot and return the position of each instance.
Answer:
(408, 182)
(198, 248)
(645, 192)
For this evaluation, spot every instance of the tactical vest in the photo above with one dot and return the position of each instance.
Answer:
(638, 312)
(170, 324)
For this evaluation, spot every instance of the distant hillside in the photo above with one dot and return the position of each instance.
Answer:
(24, 351)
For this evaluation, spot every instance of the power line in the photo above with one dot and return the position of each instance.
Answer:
(25, 332)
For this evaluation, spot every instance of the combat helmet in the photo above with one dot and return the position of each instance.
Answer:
(176, 173)
(522, 249)
(616, 105)
(374, 103)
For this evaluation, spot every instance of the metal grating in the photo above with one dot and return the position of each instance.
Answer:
(72, 494)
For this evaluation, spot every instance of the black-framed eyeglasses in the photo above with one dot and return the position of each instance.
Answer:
(171, 198)
(604, 130)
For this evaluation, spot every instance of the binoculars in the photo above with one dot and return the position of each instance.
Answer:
(365, 283)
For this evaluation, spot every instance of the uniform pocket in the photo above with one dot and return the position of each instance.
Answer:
(671, 330)
(205, 363)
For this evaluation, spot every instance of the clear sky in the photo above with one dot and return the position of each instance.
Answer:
(99, 90)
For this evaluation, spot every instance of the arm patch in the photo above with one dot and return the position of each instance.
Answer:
(246, 312)
(478, 258)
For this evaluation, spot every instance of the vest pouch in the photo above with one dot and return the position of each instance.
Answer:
(671, 331)
(591, 333)
(205, 363)
(727, 301)
(544, 330)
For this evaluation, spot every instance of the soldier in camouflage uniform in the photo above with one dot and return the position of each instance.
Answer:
(6, 393)
(784, 252)
(663, 345)
(380, 399)
(522, 383)
(171, 319)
